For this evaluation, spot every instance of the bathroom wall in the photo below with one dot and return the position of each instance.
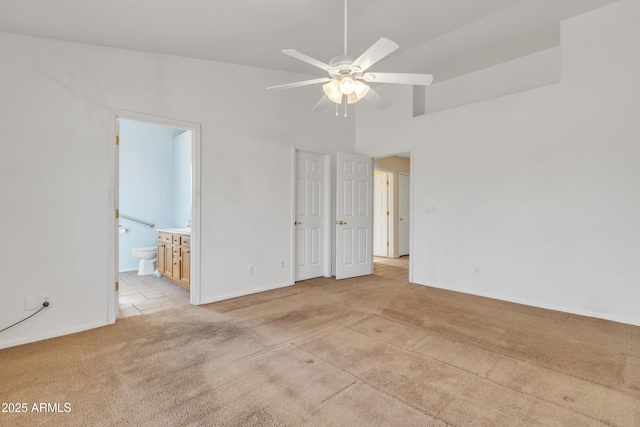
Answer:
(146, 185)
(181, 182)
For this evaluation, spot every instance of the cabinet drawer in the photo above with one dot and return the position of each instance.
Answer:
(176, 239)
(176, 252)
(186, 241)
(164, 237)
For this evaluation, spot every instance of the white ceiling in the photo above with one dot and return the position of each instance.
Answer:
(443, 37)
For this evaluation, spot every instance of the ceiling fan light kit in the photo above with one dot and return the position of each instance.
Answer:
(345, 87)
(347, 75)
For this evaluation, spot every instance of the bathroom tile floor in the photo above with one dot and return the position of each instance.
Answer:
(148, 294)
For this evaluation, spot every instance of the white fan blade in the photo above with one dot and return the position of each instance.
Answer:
(376, 99)
(322, 104)
(400, 78)
(375, 53)
(309, 60)
(303, 83)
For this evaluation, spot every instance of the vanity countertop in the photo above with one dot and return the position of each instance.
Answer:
(186, 231)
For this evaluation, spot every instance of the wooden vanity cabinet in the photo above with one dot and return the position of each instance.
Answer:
(174, 258)
(168, 261)
(185, 256)
(165, 253)
(175, 270)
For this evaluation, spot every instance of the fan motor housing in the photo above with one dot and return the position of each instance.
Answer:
(341, 66)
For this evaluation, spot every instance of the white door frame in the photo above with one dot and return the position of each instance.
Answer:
(326, 220)
(391, 216)
(112, 202)
(411, 151)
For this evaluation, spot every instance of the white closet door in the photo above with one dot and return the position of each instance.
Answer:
(309, 220)
(354, 215)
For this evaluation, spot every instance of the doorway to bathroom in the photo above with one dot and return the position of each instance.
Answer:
(156, 191)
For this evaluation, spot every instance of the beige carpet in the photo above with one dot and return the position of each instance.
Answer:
(371, 351)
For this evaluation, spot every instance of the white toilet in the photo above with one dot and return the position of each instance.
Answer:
(148, 258)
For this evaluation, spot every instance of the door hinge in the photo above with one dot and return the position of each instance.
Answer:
(117, 286)
(117, 213)
(117, 139)
(387, 182)
(387, 213)
(387, 243)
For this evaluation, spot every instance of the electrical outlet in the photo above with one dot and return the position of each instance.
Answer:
(281, 264)
(251, 269)
(45, 298)
(476, 270)
(30, 303)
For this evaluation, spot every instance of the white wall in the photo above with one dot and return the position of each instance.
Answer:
(56, 102)
(531, 71)
(539, 189)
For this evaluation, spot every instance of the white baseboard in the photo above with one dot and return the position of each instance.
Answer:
(50, 334)
(563, 309)
(244, 293)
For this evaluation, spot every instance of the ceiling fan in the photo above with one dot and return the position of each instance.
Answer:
(348, 74)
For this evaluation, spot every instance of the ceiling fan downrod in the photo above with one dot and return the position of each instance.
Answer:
(345, 27)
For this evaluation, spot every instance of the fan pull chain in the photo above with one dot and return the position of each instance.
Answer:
(345, 105)
(336, 110)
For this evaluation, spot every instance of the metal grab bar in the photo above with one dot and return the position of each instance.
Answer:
(137, 220)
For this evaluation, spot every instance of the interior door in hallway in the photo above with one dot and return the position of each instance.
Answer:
(381, 211)
(309, 220)
(354, 215)
(404, 214)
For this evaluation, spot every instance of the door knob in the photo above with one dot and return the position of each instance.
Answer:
(341, 222)
(297, 223)
(401, 219)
